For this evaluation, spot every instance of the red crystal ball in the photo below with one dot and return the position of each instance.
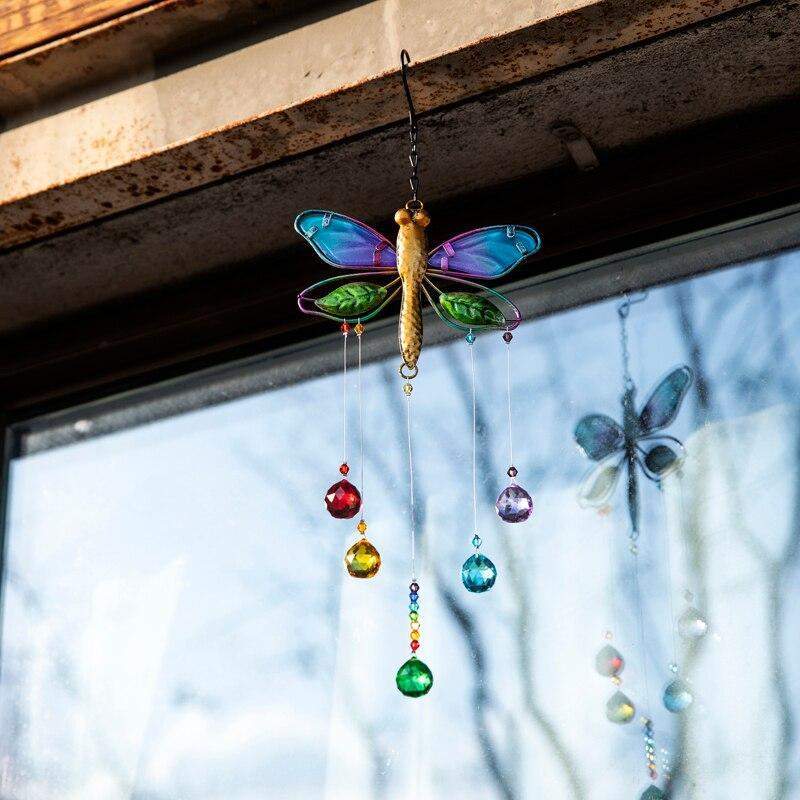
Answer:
(343, 500)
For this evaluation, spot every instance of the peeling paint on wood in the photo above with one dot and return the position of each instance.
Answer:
(150, 147)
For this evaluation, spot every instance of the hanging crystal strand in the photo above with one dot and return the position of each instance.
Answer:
(478, 573)
(678, 694)
(692, 623)
(362, 559)
(414, 678)
(514, 504)
(609, 663)
(342, 499)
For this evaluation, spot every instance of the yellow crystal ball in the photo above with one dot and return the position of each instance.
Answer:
(362, 560)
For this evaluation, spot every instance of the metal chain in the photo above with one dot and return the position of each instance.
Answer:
(413, 130)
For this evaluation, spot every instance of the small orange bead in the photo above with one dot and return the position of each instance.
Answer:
(362, 526)
(415, 636)
(359, 329)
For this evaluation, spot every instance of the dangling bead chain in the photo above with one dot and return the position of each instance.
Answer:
(413, 615)
(649, 748)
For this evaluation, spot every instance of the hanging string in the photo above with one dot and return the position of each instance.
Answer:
(642, 637)
(359, 331)
(411, 489)
(474, 441)
(344, 395)
(508, 392)
(672, 620)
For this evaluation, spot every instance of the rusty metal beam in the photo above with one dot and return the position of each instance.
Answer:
(296, 92)
(725, 67)
(712, 174)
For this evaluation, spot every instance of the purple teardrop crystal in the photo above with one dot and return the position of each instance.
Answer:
(514, 504)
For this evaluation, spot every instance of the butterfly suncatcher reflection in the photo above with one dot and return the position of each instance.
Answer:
(637, 441)
(348, 244)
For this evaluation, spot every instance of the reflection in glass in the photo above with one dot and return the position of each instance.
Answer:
(178, 624)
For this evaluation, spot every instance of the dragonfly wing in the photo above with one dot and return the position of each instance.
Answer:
(665, 401)
(600, 482)
(344, 242)
(474, 311)
(598, 436)
(487, 252)
(660, 456)
(346, 300)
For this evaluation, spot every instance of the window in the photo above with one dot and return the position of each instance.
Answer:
(177, 622)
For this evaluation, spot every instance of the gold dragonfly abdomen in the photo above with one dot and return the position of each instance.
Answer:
(412, 261)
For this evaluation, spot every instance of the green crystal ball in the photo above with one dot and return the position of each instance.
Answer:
(414, 678)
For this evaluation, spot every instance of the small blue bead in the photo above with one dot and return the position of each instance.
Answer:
(413, 597)
(470, 337)
(413, 607)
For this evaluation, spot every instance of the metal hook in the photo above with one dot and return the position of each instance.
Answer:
(405, 60)
(413, 156)
(623, 308)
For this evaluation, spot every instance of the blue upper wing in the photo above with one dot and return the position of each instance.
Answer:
(665, 401)
(598, 436)
(486, 252)
(344, 242)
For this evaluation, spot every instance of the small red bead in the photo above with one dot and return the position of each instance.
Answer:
(344, 469)
(415, 645)
(345, 328)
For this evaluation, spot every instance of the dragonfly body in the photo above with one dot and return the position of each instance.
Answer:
(631, 431)
(412, 263)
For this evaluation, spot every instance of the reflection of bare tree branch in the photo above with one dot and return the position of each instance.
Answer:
(481, 698)
(776, 569)
(464, 623)
(524, 618)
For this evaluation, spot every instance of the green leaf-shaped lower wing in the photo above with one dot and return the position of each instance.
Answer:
(352, 299)
(471, 309)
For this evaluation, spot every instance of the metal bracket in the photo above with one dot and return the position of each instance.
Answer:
(577, 146)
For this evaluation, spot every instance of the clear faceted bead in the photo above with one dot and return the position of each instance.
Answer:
(692, 624)
(478, 573)
(678, 696)
(619, 708)
(514, 504)
(609, 662)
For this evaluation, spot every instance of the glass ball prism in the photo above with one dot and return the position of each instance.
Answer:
(620, 709)
(414, 678)
(514, 504)
(478, 573)
(692, 624)
(609, 662)
(678, 696)
(362, 559)
(652, 793)
(343, 500)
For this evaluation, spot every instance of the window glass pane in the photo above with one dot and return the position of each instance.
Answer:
(177, 622)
